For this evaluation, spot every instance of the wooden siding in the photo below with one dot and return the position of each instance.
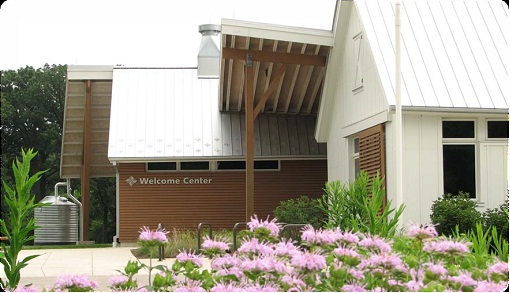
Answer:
(220, 203)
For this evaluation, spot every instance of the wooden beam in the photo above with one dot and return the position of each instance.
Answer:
(272, 87)
(307, 82)
(266, 56)
(250, 140)
(315, 90)
(293, 83)
(85, 167)
(277, 96)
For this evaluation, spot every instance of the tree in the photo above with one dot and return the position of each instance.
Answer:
(32, 111)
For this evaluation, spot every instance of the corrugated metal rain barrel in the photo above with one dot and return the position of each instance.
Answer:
(58, 222)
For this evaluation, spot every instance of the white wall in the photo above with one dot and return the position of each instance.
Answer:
(423, 164)
(351, 111)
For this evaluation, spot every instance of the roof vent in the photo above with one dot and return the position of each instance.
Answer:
(209, 52)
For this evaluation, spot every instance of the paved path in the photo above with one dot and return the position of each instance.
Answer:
(99, 264)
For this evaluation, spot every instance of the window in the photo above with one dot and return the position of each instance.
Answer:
(195, 166)
(459, 157)
(355, 157)
(458, 129)
(241, 165)
(497, 129)
(459, 169)
(162, 166)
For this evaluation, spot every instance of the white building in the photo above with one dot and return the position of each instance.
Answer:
(454, 99)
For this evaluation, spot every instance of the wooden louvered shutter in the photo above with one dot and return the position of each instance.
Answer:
(372, 152)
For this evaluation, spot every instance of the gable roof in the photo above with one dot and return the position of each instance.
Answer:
(453, 52)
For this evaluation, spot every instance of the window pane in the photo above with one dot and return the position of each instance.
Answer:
(459, 169)
(356, 145)
(162, 166)
(497, 129)
(266, 165)
(356, 167)
(192, 166)
(231, 165)
(458, 129)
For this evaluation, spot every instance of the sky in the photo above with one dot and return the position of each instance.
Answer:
(133, 33)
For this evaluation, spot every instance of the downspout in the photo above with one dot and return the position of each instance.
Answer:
(73, 199)
(76, 201)
(398, 126)
(117, 210)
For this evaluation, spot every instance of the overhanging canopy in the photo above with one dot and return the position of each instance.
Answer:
(295, 57)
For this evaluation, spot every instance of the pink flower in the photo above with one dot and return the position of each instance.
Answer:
(269, 287)
(189, 286)
(309, 260)
(234, 271)
(285, 248)
(498, 268)
(255, 247)
(184, 256)
(225, 262)
(489, 286)
(464, 278)
(272, 226)
(210, 244)
(117, 281)
(353, 288)
(263, 264)
(293, 281)
(375, 243)
(342, 251)
(446, 246)
(320, 237)
(222, 287)
(437, 269)
(156, 235)
(422, 231)
(74, 281)
(385, 260)
(349, 238)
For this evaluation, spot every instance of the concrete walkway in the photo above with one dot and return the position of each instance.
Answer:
(100, 264)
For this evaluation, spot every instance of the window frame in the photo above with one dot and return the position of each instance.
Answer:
(499, 139)
(461, 141)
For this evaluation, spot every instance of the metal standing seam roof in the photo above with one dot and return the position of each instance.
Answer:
(453, 52)
(162, 113)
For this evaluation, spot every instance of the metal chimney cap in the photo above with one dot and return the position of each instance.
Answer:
(207, 29)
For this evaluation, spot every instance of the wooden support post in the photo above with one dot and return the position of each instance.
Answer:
(250, 144)
(85, 167)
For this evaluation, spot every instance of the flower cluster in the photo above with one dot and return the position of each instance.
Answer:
(159, 235)
(328, 260)
(422, 231)
(272, 227)
(74, 283)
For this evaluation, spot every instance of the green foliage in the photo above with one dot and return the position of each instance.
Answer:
(20, 223)
(359, 207)
(32, 114)
(451, 210)
(484, 243)
(497, 218)
(300, 211)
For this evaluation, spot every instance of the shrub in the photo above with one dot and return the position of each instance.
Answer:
(451, 210)
(360, 206)
(497, 218)
(300, 211)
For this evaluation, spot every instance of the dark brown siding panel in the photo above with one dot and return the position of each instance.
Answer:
(220, 203)
(371, 151)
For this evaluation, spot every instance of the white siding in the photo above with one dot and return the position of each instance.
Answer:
(423, 164)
